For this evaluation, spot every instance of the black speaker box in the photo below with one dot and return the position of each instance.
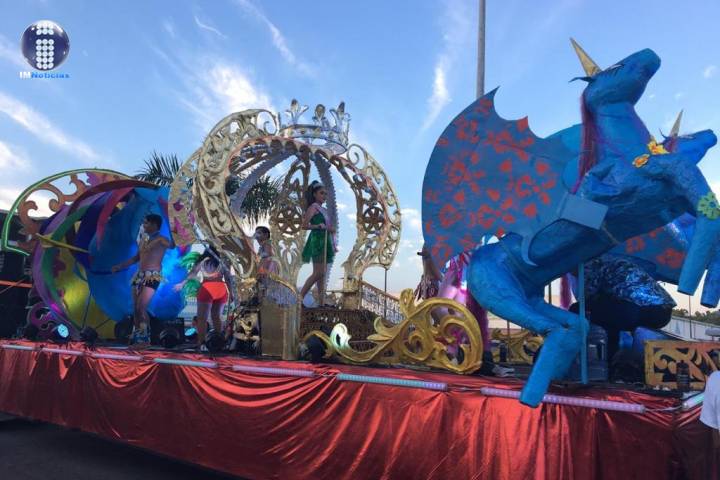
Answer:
(157, 326)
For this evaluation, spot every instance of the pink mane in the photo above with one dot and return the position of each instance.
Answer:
(588, 145)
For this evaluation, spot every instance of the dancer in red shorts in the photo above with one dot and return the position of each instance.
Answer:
(212, 294)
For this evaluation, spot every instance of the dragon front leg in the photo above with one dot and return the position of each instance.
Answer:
(496, 287)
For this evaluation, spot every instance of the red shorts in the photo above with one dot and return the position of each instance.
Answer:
(212, 292)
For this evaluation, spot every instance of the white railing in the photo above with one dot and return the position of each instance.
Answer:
(689, 329)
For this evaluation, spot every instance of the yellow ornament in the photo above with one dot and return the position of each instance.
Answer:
(656, 148)
(641, 160)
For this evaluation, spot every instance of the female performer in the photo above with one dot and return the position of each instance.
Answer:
(268, 262)
(212, 294)
(320, 244)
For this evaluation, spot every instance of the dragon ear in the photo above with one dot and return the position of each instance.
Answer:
(676, 126)
(591, 68)
(584, 79)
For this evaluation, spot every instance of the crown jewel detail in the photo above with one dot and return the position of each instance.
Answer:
(332, 133)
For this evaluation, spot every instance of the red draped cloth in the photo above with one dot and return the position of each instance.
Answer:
(261, 426)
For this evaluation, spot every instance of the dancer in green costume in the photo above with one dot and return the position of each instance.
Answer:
(320, 245)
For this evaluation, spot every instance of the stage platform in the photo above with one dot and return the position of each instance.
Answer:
(261, 419)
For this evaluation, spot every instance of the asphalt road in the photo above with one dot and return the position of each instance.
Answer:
(39, 451)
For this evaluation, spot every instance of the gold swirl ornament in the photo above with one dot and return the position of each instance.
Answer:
(421, 339)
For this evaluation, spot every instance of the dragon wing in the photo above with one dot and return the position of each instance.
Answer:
(490, 176)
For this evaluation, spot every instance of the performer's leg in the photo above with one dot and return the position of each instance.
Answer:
(215, 312)
(203, 312)
(447, 290)
(320, 268)
(135, 295)
(141, 305)
(316, 274)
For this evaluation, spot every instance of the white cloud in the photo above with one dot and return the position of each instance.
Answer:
(13, 157)
(679, 95)
(457, 29)
(212, 87)
(8, 195)
(710, 71)
(278, 39)
(39, 125)
(350, 216)
(341, 206)
(228, 83)
(440, 96)
(169, 27)
(412, 218)
(11, 52)
(207, 27)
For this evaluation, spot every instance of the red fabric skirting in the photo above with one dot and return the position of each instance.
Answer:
(260, 426)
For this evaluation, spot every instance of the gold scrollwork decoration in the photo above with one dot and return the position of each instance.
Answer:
(208, 198)
(287, 234)
(180, 204)
(520, 344)
(662, 357)
(451, 342)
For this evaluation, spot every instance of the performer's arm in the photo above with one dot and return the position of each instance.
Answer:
(162, 241)
(120, 266)
(193, 273)
(308, 216)
(430, 268)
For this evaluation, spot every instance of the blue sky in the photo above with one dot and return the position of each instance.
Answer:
(157, 75)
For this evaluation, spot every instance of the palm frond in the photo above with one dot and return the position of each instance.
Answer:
(261, 198)
(159, 169)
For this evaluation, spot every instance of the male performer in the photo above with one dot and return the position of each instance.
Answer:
(151, 250)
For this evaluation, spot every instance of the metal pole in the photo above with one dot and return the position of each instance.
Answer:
(480, 87)
(550, 293)
(385, 296)
(583, 321)
(325, 272)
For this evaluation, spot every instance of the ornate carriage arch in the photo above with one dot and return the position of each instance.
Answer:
(250, 144)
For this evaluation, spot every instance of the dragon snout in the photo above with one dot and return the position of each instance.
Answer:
(650, 62)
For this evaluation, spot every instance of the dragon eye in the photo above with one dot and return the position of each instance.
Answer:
(613, 67)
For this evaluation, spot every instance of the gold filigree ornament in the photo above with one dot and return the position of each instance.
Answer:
(436, 333)
(519, 344)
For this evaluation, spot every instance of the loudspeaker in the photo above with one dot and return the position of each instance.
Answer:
(123, 330)
(12, 266)
(157, 326)
(12, 310)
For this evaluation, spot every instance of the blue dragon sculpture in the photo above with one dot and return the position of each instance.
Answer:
(491, 177)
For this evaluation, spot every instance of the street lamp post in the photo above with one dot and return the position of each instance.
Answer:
(480, 86)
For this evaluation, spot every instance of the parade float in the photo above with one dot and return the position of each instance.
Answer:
(526, 210)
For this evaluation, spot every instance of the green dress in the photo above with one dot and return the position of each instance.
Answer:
(313, 251)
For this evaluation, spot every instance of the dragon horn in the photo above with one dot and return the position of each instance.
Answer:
(676, 126)
(591, 68)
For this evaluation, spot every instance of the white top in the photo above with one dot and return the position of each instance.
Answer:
(710, 414)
